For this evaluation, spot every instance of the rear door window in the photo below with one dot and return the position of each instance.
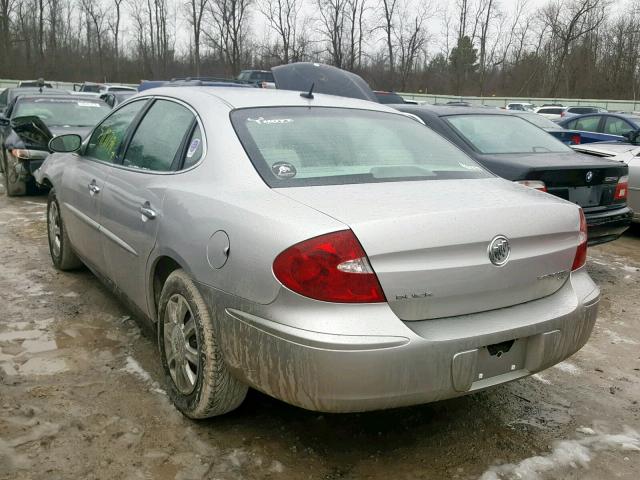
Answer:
(587, 124)
(159, 137)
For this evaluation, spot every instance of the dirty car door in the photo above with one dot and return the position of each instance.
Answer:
(132, 204)
(84, 182)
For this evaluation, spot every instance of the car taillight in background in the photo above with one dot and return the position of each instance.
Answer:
(576, 139)
(332, 268)
(535, 184)
(621, 189)
(581, 252)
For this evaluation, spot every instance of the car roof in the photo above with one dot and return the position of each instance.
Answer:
(446, 110)
(236, 98)
(63, 96)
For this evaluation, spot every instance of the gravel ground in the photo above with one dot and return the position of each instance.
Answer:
(81, 396)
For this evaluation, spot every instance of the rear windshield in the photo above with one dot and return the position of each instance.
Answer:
(63, 112)
(384, 97)
(300, 146)
(583, 110)
(504, 134)
(551, 111)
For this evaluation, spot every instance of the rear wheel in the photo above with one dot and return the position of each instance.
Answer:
(12, 183)
(199, 382)
(62, 254)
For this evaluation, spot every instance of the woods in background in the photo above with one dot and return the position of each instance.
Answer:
(567, 48)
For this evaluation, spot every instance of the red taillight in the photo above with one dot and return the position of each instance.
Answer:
(581, 253)
(535, 184)
(576, 139)
(621, 189)
(332, 268)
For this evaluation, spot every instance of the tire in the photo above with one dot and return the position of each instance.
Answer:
(198, 381)
(13, 186)
(62, 255)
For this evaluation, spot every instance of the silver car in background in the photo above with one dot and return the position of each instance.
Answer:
(333, 253)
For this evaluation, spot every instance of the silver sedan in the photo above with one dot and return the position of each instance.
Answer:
(330, 252)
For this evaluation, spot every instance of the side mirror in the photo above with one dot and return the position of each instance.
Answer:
(65, 143)
(632, 137)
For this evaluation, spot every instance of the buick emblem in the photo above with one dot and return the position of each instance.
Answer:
(589, 176)
(499, 250)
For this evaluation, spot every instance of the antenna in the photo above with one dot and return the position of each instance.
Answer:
(310, 94)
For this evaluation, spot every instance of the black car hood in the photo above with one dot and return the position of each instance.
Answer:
(325, 79)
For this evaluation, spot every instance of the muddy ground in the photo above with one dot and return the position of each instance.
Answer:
(81, 396)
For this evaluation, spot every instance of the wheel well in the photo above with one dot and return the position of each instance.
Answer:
(164, 267)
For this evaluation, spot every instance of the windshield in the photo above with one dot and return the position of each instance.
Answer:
(504, 134)
(300, 146)
(62, 111)
(540, 121)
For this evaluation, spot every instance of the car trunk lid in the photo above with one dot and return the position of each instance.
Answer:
(428, 241)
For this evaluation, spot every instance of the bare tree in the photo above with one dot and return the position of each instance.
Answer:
(389, 12)
(282, 18)
(195, 13)
(568, 21)
(229, 22)
(333, 25)
(114, 26)
(411, 40)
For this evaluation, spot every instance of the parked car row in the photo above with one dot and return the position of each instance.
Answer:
(274, 237)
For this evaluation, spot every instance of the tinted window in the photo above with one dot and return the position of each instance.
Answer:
(108, 136)
(551, 111)
(504, 134)
(617, 126)
(194, 150)
(262, 77)
(300, 146)
(4, 98)
(159, 137)
(384, 97)
(583, 110)
(62, 111)
(588, 124)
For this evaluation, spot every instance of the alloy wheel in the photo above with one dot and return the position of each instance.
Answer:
(181, 346)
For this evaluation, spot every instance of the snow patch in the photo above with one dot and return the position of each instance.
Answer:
(134, 368)
(541, 379)
(566, 453)
(617, 338)
(567, 367)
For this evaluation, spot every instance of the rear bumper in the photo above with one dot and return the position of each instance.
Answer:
(607, 226)
(400, 363)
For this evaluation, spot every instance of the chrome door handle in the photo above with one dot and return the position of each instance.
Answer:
(93, 188)
(147, 211)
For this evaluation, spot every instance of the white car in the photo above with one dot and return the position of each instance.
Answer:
(628, 153)
(523, 107)
(551, 112)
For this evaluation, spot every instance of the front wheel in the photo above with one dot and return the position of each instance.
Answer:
(199, 382)
(62, 255)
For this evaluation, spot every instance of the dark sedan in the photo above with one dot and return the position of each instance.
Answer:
(515, 149)
(601, 127)
(8, 95)
(27, 125)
